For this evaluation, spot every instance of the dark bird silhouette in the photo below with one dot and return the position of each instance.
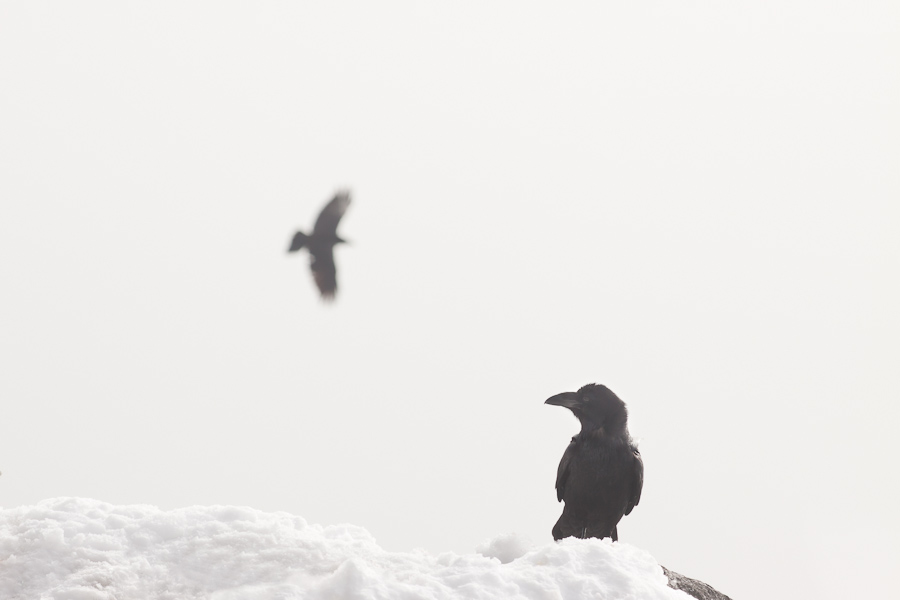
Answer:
(601, 473)
(321, 244)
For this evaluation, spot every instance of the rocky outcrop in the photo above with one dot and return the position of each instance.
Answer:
(695, 588)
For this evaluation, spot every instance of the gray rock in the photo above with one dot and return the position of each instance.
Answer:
(695, 588)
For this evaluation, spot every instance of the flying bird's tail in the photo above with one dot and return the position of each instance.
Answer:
(298, 241)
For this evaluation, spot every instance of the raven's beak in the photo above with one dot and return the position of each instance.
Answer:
(567, 399)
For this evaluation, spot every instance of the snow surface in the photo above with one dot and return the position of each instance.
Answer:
(81, 549)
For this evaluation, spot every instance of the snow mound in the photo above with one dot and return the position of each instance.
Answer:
(506, 547)
(80, 549)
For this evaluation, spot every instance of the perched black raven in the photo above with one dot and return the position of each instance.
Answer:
(321, 244)
(601, 474)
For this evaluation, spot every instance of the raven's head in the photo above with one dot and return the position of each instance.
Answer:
(599, 410)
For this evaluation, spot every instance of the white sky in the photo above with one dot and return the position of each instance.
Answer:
(696, 204)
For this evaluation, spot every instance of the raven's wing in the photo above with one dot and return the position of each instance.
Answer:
(327, 222)
(298, 241)
(637, 481)
(324, 272)
(562, 473)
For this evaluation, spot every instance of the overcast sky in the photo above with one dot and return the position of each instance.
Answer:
(694, 203)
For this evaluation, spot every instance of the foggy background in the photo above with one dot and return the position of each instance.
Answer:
(695, 204)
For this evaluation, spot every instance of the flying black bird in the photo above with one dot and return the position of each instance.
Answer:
(601, 473)
(321, 244)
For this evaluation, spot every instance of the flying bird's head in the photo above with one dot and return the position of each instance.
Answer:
(597, 407)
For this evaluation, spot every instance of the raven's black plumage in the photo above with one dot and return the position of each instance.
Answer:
(601, 473)
(321, 244)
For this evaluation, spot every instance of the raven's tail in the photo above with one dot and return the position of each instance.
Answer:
(582, 528)
(298, 241)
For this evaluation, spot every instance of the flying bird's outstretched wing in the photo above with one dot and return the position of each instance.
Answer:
(326, 224)
(323, 270)
(298, 241)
